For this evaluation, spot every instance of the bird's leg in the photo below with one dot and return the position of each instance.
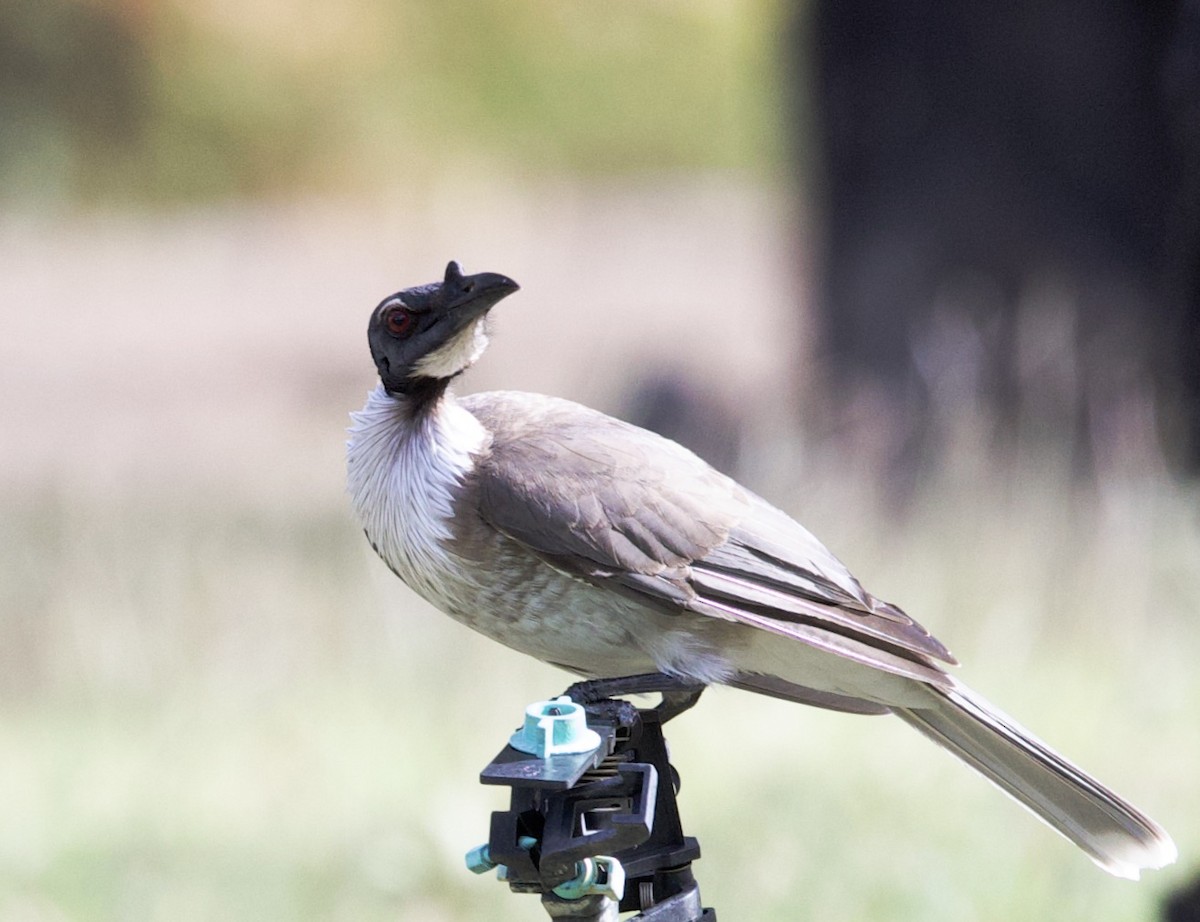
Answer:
(590, 691)
(675, 703)
(678, 695)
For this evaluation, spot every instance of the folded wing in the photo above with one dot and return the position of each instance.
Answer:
(626, 509)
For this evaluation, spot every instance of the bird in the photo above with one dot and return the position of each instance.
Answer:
(610, 551)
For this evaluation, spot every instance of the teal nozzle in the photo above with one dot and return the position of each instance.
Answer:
(558, 725)
(603, 875)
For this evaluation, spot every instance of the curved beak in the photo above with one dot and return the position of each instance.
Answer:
(481, 291)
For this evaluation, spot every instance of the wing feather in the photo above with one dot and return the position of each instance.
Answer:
(626, 509)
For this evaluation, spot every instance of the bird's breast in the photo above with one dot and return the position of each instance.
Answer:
(405, 477)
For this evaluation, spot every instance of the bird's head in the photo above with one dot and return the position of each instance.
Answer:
(422, 337)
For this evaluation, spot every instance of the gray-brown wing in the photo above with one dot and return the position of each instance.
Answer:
(627, 509)
(602, 495)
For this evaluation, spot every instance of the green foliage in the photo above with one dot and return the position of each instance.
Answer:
(73, 84)
(170, 101)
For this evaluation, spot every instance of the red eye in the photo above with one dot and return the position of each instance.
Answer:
(398, 320)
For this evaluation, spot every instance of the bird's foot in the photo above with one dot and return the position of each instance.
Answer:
(678, 695)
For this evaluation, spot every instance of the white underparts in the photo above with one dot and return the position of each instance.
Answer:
(403, 474)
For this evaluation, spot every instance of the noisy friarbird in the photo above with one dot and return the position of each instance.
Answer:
(610, 551)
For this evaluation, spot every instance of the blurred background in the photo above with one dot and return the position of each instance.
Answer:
(925, 274)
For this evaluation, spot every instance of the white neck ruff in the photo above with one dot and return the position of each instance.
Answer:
(403, 474)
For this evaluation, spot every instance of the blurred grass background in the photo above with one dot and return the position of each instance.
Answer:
(214, 701)
(164, 101)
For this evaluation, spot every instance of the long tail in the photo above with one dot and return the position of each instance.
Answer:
(1117, 836)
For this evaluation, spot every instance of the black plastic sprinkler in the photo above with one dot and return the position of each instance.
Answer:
(593, 825)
